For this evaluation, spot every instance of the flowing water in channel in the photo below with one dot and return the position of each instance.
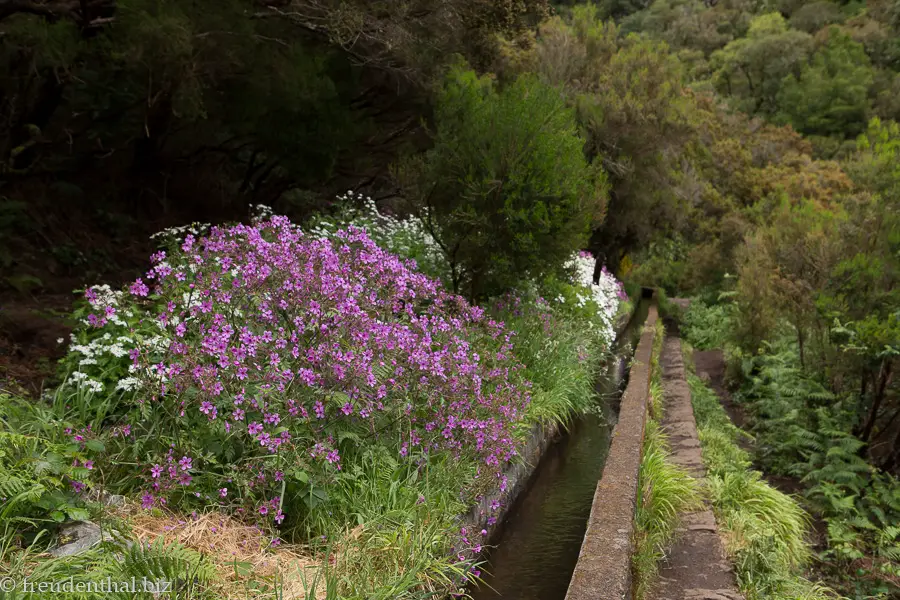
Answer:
(538, 545)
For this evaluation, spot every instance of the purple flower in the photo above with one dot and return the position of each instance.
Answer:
(138, 288)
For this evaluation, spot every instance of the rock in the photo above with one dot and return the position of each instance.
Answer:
(78, 536)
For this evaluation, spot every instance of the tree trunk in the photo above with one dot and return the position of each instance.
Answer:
(26, 133)
(884, 376)
(893, 459)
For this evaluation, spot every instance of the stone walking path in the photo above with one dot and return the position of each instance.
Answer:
(696, 568)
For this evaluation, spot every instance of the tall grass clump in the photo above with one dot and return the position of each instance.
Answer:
(665, 489)
(562, 359)
(765, 529)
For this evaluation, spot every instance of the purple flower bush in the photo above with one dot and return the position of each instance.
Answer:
(311, 381)
(275, 354)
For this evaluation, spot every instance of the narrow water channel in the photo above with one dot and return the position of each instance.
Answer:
(538, 545)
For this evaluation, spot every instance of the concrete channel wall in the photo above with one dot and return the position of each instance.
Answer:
(603, 571)
(518, 473)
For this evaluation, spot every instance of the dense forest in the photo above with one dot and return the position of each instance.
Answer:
(745, 153)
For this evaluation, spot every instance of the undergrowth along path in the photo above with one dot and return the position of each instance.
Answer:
(696, 567)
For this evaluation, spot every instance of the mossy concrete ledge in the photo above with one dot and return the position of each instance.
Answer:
(603, 571)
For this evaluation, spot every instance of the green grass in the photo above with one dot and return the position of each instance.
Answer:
(764, 529)
(563, 370)
(665, 490)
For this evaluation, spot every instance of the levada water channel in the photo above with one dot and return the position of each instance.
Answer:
(536, 548)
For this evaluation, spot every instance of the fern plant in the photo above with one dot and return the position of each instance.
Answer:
(41, 473)
(36, 482)
(804, 430)
(140, 571)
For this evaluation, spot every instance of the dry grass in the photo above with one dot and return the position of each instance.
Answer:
(241, 553)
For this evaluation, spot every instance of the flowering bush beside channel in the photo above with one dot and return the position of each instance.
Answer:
(316, 382)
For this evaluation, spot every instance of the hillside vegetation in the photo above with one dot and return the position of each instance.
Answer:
(350, 375)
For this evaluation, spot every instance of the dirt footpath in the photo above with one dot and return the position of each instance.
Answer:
(696, 567)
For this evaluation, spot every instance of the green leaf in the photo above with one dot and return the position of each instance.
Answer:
(78, 514)
(95, 445)
(243, 569)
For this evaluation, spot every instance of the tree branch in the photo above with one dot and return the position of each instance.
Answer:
(52, 11)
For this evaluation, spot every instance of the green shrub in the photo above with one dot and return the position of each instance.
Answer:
(707, 326)
(804, 430)
(506, 186)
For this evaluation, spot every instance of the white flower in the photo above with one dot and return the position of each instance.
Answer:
(128, 384)
(60, 341)
(604, 293)
(76, 377)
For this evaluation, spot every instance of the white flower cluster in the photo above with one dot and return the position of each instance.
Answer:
(177, 234)
(606, 293)
(102, 350)
(94, 352)
(260, 212)
(408, 237)
(80, 379)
